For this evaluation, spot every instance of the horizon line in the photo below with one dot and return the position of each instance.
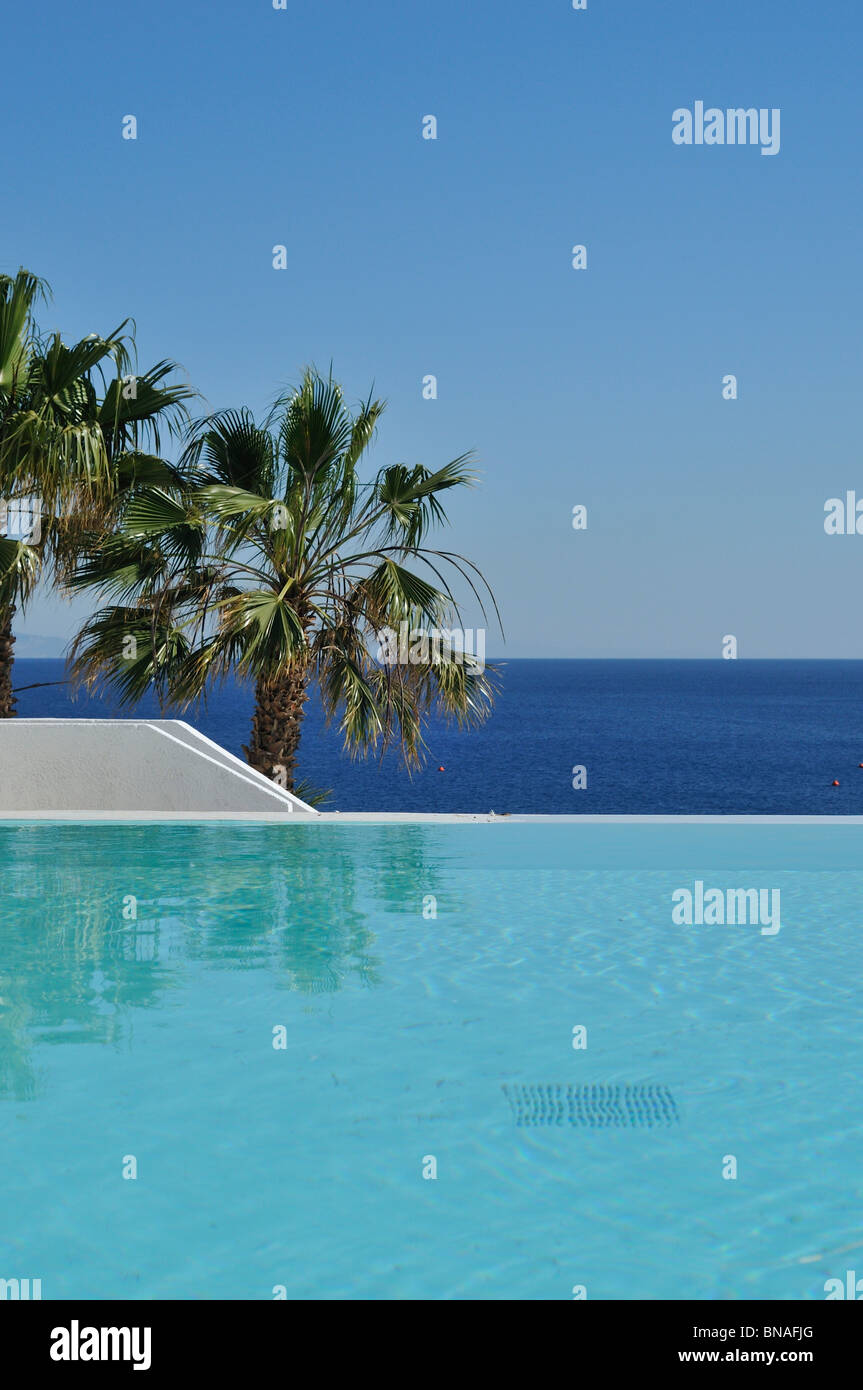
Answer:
(504, 660)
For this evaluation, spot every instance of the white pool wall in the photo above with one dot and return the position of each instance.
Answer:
(129, 767)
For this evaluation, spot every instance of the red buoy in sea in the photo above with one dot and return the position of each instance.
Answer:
(441, 769)
(836, 784)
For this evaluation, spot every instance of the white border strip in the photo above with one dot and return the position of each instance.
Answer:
(312, 817)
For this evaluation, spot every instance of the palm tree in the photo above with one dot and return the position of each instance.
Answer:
(271, 558)
(74, 426)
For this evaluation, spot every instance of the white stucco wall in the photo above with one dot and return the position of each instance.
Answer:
(127, 765)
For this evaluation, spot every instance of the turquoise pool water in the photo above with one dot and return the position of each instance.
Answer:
(411, 1037)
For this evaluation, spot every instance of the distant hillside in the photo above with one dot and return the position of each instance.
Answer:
(33, 646)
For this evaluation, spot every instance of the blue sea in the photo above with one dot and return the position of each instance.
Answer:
(655, 737)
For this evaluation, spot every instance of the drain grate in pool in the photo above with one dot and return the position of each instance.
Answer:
(593, 1107)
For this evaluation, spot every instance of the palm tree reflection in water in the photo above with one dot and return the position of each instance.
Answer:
(102, 920)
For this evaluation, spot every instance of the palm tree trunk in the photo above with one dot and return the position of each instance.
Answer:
(277, 725)
(7, 658)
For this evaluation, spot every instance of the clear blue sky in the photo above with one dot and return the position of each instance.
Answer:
(407, 257)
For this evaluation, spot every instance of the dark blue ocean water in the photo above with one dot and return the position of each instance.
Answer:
(676, 737)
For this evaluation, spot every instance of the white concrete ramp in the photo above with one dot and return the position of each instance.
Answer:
(129, 766)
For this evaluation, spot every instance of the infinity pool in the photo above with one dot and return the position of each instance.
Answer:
(286, 1029)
